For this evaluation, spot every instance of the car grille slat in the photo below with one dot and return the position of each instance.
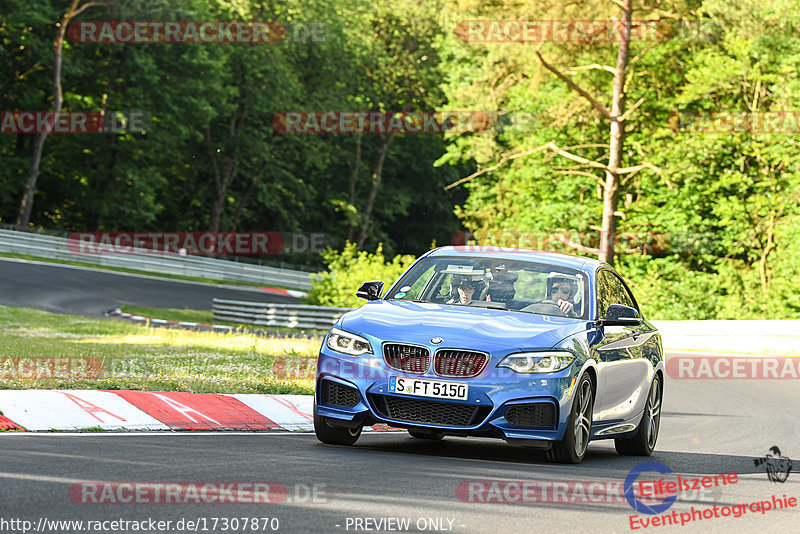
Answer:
(407, 358)
(459, 363)
(335, 394)
(541, 415)
(429, 412)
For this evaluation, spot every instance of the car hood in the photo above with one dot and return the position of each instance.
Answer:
(458, 326)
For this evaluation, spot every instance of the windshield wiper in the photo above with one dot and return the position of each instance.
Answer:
(491, 305)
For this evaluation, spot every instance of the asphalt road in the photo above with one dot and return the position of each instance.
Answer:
(83, 291)
(708, 427)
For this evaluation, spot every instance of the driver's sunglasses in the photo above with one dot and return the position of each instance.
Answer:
(467, 286)
(561, 289)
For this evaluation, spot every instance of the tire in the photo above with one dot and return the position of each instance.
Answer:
(644, 442)
(572, 448)
(421, 434)
(331, 435)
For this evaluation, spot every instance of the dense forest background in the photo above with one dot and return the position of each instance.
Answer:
(708, 225)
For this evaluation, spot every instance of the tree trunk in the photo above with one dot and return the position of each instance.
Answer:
(216, 214)
(26, 203)
(377, 175)
(611, 189)
(222, 178)
(246, 196)
(762, 265)
(354, 168)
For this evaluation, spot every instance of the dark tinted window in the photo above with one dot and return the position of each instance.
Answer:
(610, 290)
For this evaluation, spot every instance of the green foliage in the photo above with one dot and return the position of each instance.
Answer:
(725, 203)
(212, 108)
(213, 104)
(348, 269)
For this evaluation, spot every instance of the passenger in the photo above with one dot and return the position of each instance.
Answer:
(501, 284)
(462, 289)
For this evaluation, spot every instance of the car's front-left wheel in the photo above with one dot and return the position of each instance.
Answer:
(332, 435)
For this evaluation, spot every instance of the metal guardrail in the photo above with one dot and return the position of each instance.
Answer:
(50, 247)
(742, 337)
(268, 314)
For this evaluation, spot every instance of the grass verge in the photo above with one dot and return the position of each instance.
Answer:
(156, 359)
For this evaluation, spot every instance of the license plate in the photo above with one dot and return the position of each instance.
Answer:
(421, 387)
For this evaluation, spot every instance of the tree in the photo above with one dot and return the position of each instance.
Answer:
(26, 204)
(397, 70)
(616, 116)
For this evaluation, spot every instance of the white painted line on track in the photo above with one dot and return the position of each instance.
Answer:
(43, 478)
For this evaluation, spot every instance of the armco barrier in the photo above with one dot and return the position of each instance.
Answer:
(286, 315)
(735, 336)
(50, 247)
(756, 337)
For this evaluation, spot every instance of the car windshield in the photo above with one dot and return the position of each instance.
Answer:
(519, 286)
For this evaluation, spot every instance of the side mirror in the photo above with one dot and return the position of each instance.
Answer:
(370, 290)
(620, 315)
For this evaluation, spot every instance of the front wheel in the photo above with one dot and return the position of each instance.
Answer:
(644, 442)
(332, 435)
(572, 448)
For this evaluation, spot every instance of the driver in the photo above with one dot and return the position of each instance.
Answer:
(562, 289)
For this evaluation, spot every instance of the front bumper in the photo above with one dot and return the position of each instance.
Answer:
(353, 391)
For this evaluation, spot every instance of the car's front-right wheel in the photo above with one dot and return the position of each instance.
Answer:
(572, 448)
(644, 442)
(334, 435)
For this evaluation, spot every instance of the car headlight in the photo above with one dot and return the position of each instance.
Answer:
(347, 343)
(537, 362)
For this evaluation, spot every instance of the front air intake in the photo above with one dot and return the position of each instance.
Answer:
(336, 394)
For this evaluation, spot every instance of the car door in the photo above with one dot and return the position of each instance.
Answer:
(621, 369)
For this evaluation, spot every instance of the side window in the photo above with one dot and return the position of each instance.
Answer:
(604, 293)
(610, 290)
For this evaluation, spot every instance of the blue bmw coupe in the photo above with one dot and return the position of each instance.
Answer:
(543, 350)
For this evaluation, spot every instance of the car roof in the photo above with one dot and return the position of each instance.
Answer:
(579, 263)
